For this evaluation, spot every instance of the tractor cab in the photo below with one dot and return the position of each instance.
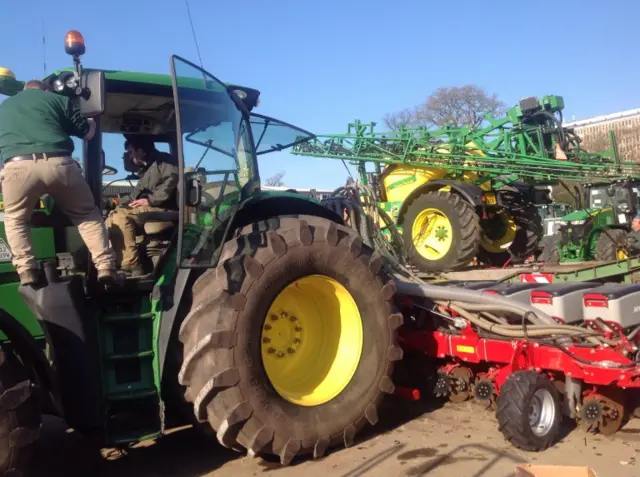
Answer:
(620, 196)
(205, 123)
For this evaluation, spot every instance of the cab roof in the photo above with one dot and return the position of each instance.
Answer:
(154, 79)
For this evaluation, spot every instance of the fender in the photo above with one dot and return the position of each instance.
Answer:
(265, 206)
(34, 359)
(258, 209)
(471, 193)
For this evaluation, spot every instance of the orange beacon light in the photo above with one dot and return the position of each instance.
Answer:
(74, 43)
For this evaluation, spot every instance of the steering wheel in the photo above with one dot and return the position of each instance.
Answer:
(109, 171)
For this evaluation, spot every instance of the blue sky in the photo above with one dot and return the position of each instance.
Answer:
(321, 64)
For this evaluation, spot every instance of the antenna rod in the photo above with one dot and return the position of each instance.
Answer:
(44, 50)
(193, 31)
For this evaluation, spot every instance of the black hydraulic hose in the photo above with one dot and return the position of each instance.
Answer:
(562, 137)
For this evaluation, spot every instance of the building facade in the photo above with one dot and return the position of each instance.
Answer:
(594, 133)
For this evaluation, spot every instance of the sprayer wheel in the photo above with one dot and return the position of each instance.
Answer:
(441, 232)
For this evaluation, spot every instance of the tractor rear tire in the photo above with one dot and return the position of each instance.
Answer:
(228, 366)
(20, 417)
(609, 244)
(465, 231)
(528, 411)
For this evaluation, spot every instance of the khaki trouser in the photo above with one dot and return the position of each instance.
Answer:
(24, 182)
(122, 224)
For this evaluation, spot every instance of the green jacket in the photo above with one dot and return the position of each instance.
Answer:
(159, 182)
(39, 121)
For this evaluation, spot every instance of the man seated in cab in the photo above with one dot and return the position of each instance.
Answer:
(156, 191)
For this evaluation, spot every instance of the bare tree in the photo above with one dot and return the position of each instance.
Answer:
(457, 106)
(395, 121)
(275, 180)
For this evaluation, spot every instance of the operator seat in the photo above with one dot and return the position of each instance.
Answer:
(155, 223)
(158, 229)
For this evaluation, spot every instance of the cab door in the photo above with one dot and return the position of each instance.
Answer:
(215, 150)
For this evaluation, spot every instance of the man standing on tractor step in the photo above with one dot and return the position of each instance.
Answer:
(156, 191)
(36, 126)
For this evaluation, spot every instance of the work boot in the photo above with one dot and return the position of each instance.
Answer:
(107, 276)
(29, 277)
(133, 270)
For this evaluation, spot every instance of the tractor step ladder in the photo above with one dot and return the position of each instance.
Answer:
(133, 410)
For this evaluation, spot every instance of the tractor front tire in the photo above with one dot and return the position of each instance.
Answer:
(528, 411)
(20, 417)
(460, 232)
(290, 344)
(529, 231)
(609, 244)
(528, 234)
(550, 254)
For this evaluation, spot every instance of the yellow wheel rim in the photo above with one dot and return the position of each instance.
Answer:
(497, 240)
(312, 340)
(622, 255)
(432, 234)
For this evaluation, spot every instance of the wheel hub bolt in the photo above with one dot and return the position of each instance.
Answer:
(297, 340)
(267, 327)
(266, 340)
(274, 317)
(284, 314)
(271, 350)
(293, 319)
(291, 350)
(298, 328)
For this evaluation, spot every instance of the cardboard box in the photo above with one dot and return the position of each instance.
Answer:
(530, 470)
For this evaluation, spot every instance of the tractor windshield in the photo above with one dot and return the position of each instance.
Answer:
(215, 146)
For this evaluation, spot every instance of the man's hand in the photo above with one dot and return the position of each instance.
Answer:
(139, 202)
(92, 129)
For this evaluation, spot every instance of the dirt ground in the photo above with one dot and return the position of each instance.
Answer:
(455, 440)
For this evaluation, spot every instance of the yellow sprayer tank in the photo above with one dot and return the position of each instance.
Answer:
(399, 180)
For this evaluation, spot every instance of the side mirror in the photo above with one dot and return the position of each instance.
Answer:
(193, 192)
(91, 101)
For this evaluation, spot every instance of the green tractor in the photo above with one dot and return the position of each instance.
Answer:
(262, 317)
(599, 230)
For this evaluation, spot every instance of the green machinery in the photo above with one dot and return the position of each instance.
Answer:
(598, 231)
(250, 318)
(464, 193)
